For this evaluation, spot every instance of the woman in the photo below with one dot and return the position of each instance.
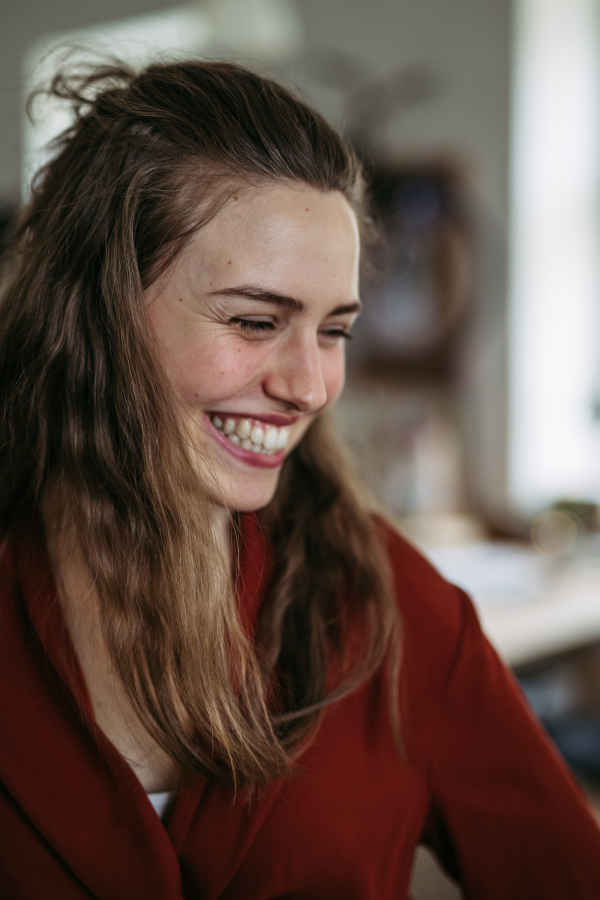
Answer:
(195, 602)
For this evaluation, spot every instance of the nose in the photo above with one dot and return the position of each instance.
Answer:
(296, 374)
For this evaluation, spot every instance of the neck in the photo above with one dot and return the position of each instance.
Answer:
(79, 601)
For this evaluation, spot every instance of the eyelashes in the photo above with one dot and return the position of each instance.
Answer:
(254, 326)
(338, 333)
(263, 327)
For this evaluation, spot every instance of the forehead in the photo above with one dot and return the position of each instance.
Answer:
(277, 233)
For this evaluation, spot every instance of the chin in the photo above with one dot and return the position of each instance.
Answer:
(248, 497)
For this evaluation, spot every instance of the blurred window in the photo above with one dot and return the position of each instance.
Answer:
(554, 409)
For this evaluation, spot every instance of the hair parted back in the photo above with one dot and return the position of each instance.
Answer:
(87, 411)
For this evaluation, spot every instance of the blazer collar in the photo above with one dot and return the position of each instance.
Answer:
(69, 780)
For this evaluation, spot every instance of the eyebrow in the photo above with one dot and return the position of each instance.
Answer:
(252, 292)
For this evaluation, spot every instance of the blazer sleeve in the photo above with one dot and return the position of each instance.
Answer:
(506, 818)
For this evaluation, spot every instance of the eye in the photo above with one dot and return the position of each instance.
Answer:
(336, 333)
(253, 326)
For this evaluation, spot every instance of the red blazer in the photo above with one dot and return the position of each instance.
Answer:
(482, 785)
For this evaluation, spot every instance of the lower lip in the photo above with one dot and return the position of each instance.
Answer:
(258, 460)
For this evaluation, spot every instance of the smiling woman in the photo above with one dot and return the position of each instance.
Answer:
(250, 324)
(199, 612)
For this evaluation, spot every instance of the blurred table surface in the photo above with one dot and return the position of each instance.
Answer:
(530, 606)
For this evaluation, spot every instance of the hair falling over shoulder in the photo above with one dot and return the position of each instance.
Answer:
(88, 413)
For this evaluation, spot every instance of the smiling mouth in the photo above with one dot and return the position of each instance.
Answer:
(252, 435)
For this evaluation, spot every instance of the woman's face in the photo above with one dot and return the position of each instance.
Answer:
(250, 323)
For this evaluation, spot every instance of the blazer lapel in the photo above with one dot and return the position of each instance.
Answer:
(69, 780)
(71, 784)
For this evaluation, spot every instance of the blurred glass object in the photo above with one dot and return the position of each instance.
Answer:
(409, 449)
(260, 30)
(554, 532)
(554, 436)
(438, 467)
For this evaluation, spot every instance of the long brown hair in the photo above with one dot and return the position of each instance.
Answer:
(86, 406)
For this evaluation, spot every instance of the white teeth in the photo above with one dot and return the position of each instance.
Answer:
(270, 439)
(266, 440)
(282, 438)
(243, 428)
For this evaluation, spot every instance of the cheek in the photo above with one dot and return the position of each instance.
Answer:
(334, 372)
(210, 370)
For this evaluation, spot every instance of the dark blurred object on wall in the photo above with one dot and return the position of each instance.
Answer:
(419, 286)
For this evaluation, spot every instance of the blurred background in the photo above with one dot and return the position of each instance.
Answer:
(473, 398)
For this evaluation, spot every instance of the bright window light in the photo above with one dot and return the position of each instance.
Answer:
(554, 325)
(136, 41)
(265, 30)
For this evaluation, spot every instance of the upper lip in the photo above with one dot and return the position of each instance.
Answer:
(270, 419)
